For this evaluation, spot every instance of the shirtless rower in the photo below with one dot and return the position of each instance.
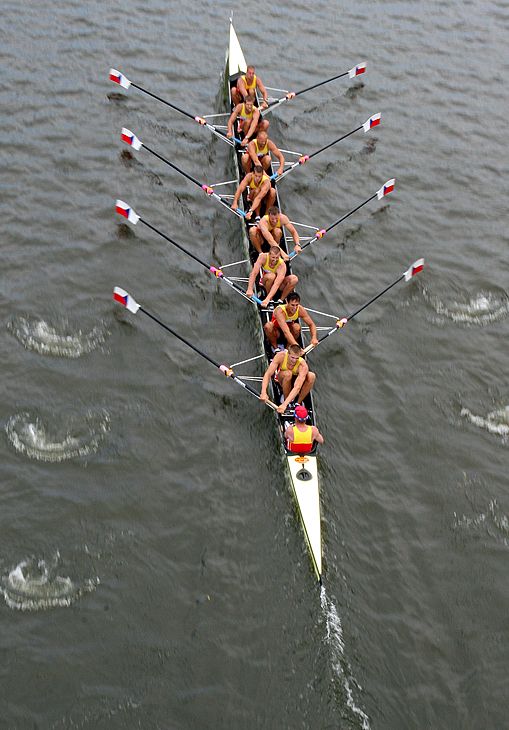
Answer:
(285, 321)
(270, 230)
(258, 153)
(293, 375)
(249, 118)
(272, 269)
(300, 438)
(259, 191)
(247, 84)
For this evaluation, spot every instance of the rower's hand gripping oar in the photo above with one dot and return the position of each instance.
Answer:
(133, 141)
(373, 121)
(125, 83)
(127, 301)
(352, 73)
(126, 211)
(414, 269)
(387, 188)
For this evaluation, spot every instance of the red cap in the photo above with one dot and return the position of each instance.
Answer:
(301, 413)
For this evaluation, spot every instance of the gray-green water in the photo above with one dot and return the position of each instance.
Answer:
(145, 524)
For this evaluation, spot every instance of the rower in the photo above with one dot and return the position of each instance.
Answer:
(272, 269)
(250, 121)
(270, 230)
(259, 190)
(285, 321)
(248, 83)
(300, 438)
(293, 375)
(258, 153)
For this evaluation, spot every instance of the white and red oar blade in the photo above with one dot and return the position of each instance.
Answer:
(131, 139)
(357, 70)
(119, 78)
(373, 121)
(386, 189)
(414, 269)
(125, 299)
(126, 210)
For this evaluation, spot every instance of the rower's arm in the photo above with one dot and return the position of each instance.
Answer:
(254, 274)
(277, 153)
(289, 433)
(233, 117)
(270, 372)
(304, 315)
(263, 90)
(317, 436)
(243, 185)
(280, 275)
(251, 152)
(254, 123)
(262, 227)
(280, 318)
(264, 189)
(241, 87)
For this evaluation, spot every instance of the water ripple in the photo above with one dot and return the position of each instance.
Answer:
(57, 339)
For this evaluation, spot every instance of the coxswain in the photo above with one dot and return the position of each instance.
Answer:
(248, 83)
(258, 153)
(250, 121)
(285, 321)
(300, 438)
(259, 190)
(270, 230)
(293, 375)
(272, 270)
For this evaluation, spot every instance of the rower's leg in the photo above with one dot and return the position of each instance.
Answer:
(263, 126)
(236, 97)
(265, 163)
(277, 234)
(267, 281)
(271, 333)
(288, 285)
(256, 238)
(246, 162)
(270, 198)
(284, 378)
(307, 385)
(294, 328)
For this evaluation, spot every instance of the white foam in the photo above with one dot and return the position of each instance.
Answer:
(496, 422)
(58, 339)
(481, 309)
(340, 665)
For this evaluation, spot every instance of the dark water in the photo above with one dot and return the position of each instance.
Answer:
(153, 570)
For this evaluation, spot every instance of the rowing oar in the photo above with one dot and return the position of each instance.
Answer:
(406, 275)
(352, 73)
(373, 121)
(131, 139)
(125, 83)
(127, 301)
(125, 210)
(384, 190)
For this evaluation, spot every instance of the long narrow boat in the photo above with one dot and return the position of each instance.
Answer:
(302, 470)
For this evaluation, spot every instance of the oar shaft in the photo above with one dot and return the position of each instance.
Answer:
(331, 144)
(321, 83)
(163, 159)
(154, 96)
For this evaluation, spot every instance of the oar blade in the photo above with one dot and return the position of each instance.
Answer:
(125, 210)
(125, 299)
(373, 121)
(119, 78)
(416, 267)
(130, 138)
(387, 188)
(357, 70)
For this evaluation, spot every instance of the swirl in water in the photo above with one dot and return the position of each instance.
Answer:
(34, 585)
(481, 309)
(30, 436)
(496, 422)
(55, 339)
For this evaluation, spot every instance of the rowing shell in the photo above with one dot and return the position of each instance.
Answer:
(302, 470)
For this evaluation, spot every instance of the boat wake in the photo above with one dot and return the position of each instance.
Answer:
(481, 309)
(34, 585)
(58, 340)
(83, 435)
(496, 422)
(492, 521)
(340, 665)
